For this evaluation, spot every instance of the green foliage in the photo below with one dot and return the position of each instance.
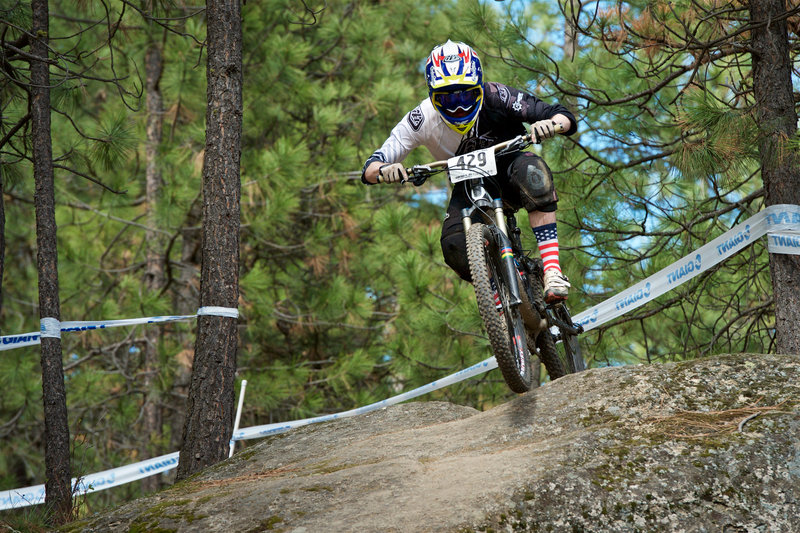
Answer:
(113, 142)
(344, 296)
(723, 142)
(666, 148)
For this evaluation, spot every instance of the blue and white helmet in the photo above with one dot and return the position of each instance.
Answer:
(455, 84)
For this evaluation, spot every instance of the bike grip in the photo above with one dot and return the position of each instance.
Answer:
(532, 137)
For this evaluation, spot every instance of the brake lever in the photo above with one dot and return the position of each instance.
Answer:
(418, 174)
(515, 145)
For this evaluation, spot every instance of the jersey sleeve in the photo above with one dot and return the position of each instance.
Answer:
(404, 138)
(520, 105)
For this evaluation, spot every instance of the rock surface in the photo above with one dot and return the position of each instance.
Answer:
(707, 445)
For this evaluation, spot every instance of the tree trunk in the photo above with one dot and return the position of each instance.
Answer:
(2, 229)
(211, 402)
(154, 270)
(58, 496)
(780, 166)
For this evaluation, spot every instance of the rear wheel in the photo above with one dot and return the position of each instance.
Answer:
(569, 343)
(503, 325)
(554, 361)
(551, 358)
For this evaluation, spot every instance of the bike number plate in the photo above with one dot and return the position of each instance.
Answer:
(477, 164)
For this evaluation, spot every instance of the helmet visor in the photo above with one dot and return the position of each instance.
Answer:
(457, 104)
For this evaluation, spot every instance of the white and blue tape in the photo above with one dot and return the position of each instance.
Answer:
(50, 327)
(783, 243)
(780, 223)
(11, 499)
(257, 432)
(229, 312)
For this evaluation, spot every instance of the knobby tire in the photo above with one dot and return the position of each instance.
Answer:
(553, 360)
(505, 329)
(572, 349)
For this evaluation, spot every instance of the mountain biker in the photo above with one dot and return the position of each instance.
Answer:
(462, 114)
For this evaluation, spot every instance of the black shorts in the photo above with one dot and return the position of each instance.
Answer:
(453, 240)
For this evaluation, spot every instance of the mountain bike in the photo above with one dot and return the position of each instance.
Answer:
(508, 282)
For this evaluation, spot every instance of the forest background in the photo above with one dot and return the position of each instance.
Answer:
(345, 299)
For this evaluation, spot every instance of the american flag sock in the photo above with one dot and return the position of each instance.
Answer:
(547, 238)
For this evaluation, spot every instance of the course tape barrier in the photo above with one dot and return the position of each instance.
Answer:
(12, 499)
(783, 243)
(9, 342)
(257, 432)
(780, 222)
(15, 498)
(49, 327)
(210, 310)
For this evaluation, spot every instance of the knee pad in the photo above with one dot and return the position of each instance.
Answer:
(454, 250)
(532, 177)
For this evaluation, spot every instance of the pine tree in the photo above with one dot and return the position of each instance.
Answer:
(154, 279)
(210, 406)
(58, 489)
(776, 116)
(664, 160)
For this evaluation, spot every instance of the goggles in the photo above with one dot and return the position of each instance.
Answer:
(451, 101)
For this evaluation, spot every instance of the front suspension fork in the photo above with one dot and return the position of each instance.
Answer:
(510, 267)
(504, 247)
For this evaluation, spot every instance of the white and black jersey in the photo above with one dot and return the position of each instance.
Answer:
(504, 111)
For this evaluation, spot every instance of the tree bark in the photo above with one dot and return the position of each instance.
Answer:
(211, 402)
(780, 166)
(2, 229)
(58, 493)
(154, 270)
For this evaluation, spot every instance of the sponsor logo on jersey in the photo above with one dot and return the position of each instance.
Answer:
(416, 118)
(470, 143)
(517, 106)
(504, 94)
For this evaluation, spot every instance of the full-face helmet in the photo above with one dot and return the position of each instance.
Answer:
(455, 84)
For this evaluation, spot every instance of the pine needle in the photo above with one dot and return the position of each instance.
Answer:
(704, 424)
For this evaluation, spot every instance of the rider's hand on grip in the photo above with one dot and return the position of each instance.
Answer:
(543, 129)
(392, 173)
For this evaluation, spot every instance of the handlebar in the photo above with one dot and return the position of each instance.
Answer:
(418, 174)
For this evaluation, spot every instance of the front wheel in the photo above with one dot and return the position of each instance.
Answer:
(503, 323)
